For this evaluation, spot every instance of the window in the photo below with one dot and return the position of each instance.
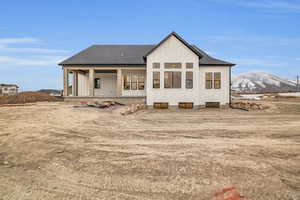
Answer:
(189, 65)
(172, 65)
(208, 80)
(156, 65)
(172, 79)
(97, 83)
(186, 105)
(134, 81)
(126, 82)
(217, 80)
(156, 79)
(141, 82)
(161, 105)
(189, 80)
(212, 104)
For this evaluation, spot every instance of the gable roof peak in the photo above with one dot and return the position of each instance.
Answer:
(173, 33)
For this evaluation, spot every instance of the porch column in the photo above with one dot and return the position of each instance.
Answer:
(91, 82)
(119, 82)
(75, 83)
(66, 82)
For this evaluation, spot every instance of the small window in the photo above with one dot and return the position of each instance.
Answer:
(156, 65)
(172, 65)
(217, 80)
(161, 105)
(208, 80)
(97, 83)
(212, 104)
(172, 80)
(186, 105)
(189, 65)
(156, 79)
(189, 80)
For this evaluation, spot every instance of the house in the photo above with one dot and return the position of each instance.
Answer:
(8, 89)
(172, 73)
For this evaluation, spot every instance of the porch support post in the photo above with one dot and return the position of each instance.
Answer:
(119, 82)
(66, 82)
(75, 83)
(91, 82)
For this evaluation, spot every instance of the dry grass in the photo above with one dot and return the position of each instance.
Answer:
(55, 151)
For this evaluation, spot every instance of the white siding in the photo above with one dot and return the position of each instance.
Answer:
(215, 95)
(108, 85)
(83, 85)
(173, 51)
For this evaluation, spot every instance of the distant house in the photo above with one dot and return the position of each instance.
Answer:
(8, 89)
(170, 73)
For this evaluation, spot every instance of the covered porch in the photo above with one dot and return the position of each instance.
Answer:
(104, 82)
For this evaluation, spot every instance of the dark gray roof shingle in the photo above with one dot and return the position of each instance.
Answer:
(131, 55)
(110, 54)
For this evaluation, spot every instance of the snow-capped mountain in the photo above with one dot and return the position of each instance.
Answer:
(261, 82)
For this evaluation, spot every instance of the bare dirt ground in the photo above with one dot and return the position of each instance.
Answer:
(55, 151)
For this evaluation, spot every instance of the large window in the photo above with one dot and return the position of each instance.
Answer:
(97, 84)
(156, 79)
(189, 80)
(213, 80)
(172, 65)
(134, 81)
(172, 79)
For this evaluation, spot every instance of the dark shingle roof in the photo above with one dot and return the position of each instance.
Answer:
(110, 54)
(131, 55)
(208, 60)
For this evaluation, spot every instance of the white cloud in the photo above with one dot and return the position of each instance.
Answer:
(6, 49)
(30, 61)
(261, 62)
(25, 40)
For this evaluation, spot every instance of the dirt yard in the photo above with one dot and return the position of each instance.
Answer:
(56, 151)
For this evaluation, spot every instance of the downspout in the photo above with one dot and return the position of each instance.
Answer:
(230, 87)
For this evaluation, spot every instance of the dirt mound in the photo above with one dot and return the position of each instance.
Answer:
(27, 97)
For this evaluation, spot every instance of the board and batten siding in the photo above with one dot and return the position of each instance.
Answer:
(215, 95)
(172, 51)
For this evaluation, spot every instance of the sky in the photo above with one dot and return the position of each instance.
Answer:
(257, 35)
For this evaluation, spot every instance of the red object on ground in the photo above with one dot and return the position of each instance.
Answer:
(228, 194)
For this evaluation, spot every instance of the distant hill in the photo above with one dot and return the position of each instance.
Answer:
(51, 92)
(261, 82)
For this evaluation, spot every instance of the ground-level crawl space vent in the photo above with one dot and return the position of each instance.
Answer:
(186, 105)
(161, 105)
(212, 104)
